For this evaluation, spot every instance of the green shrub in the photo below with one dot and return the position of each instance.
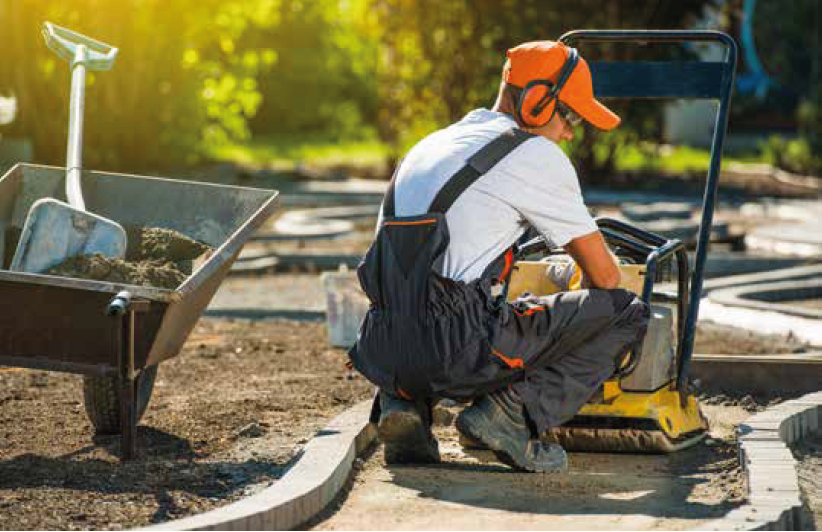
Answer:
(793, 155)
(180, 81)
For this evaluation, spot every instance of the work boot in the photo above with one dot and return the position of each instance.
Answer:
(405, 433)
(497, 422)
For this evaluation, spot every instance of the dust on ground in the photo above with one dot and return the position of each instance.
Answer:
(155, 257)
(610, 491)
(809, 454)
(815, 303)
(714, 338)
(228, 417)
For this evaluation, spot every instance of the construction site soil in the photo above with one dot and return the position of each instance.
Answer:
(229, 416)
(809, 454)
(600, 490)
(230, 413)
(155, 257)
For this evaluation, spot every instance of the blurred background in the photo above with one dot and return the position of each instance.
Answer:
(345, 86)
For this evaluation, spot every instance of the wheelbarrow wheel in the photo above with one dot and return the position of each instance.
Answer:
(101, 395)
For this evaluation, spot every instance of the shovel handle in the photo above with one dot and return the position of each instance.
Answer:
(64, 42)
(83, 53)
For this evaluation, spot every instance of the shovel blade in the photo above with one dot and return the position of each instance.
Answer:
(55, 231)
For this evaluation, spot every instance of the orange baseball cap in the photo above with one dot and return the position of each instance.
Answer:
(543, 60)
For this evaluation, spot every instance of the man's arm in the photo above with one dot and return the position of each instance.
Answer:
(598, 265)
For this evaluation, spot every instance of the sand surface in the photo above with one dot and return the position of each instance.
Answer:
(600, 491)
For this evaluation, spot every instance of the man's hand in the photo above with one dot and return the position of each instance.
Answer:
(599, 266)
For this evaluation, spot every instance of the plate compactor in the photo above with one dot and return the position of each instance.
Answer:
(647, 405)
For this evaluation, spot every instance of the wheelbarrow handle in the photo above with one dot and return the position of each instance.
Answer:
(65, 43)
(119, 305)
(646, 36)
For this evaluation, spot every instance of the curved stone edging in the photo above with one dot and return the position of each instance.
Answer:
(805, 271)
(304, 491)
(774, 499)
(756, 296)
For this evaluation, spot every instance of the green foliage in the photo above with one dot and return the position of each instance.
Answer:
(794, 155)
(290, 150)
(323, 81)
(180, 82)
(441, 59)
(787, 37)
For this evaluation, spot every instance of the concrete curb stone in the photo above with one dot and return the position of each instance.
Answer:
(304, 491)
(774, 499)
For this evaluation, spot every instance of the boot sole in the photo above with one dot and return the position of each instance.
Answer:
(483, 445)
(406, 439)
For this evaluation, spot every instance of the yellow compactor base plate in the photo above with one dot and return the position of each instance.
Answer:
(633, 422)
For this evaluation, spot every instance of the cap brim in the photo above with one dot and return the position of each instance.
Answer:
(593, 112)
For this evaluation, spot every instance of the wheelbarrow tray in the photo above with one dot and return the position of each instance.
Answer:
(59, 324)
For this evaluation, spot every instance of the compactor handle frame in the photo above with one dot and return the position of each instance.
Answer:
(654, 250)
(674, 80)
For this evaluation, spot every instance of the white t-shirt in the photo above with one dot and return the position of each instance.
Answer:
(535, 184)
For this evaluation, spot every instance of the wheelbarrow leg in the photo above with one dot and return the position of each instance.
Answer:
(124, 309)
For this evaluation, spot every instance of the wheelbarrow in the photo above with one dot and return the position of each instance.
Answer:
(116, 334)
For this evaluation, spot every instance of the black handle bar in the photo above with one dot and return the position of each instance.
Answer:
(647, 36)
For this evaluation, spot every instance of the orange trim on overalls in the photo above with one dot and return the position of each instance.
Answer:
(404, 395)
(511, 362)
(415, 222)
(509, 261)
(530, 312)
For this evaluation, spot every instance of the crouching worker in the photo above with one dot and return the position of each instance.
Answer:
(455, 208)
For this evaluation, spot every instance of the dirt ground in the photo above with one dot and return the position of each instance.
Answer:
(601, 491)
(809, 454)
(227, 416)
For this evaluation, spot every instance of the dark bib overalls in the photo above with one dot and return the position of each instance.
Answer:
(426, 335)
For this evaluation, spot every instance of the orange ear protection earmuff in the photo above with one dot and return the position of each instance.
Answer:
(540, 95)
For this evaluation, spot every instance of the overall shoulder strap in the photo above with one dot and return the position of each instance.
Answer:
(479, 164)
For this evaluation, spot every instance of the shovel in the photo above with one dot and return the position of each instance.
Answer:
(55, 231)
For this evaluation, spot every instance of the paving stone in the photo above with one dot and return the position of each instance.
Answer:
(283, 516)
(751, 426)
(812, 418)
(799, 416)
(257, 521)
(773, 484)
(764, 454)
(313, 503)
(749, 517)
(770, 443)
(734, 524)
(761, 435)
(815, 397)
